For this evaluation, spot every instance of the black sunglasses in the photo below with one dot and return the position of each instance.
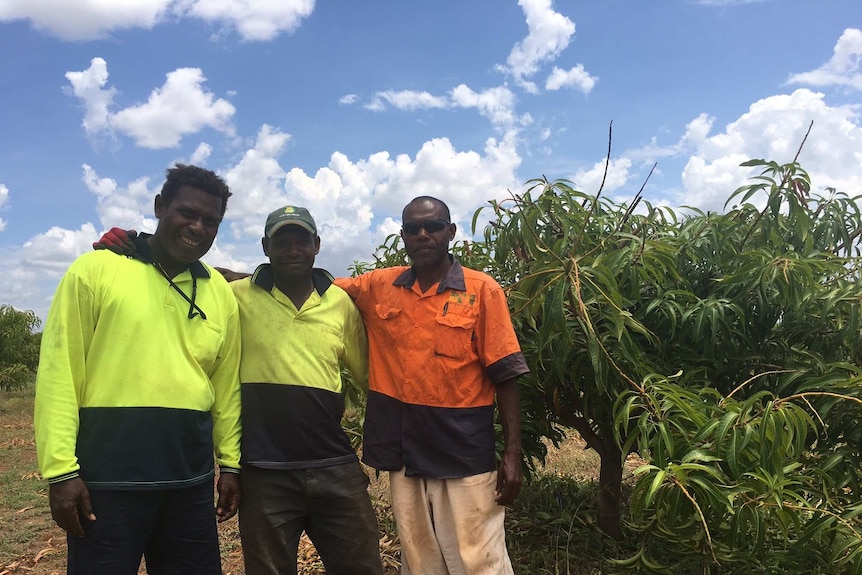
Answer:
(430, 226)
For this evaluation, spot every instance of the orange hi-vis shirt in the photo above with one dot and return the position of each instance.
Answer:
(434, 360)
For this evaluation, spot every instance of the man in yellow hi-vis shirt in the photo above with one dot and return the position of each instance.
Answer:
(137, 387)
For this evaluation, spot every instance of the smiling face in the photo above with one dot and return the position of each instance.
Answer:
(291, 251)
(425, 239)
(188, 225)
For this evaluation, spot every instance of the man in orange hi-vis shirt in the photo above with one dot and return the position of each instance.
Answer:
(441, 348)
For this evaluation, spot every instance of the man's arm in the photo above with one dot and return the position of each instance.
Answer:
(509, 475)
(60, 379)
(226, 417)
(356, 347)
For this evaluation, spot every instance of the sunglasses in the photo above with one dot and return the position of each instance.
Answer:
(430, 226)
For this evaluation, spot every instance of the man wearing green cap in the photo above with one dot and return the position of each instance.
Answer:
(299, 469)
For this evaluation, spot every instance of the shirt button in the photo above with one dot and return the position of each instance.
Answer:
(409, 353)
(415, 325)
(407, 381)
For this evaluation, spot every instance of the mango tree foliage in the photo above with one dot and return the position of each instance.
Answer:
(19, 347)
(753, 445)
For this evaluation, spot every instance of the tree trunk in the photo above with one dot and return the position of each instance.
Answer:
(610, 488)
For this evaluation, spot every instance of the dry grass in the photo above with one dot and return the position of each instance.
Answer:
(32, 544)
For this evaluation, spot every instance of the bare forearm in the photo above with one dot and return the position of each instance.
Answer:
(509, 406)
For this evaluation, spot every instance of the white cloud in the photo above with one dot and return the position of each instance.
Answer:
(179, 107)
(773, 129)
(406, 100)
(253, 20)
(54, 250)
(843, 69)
(696, 132)
(84, 19)
(590, 180)
(4, 197)
(348, 99)
(577, 77)
(201, 154)
(123, 207)
(549, 33)
(496, 104)
(257, 183)
(89, 87)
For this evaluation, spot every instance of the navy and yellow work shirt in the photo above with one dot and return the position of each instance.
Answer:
(434, 360)
(292, 400)
(130, 392)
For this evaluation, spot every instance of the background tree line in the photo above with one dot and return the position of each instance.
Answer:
(19, 347)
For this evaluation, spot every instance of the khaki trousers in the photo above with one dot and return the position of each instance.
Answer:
(449, 526)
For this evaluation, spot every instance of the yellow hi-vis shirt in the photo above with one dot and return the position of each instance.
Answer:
(292, 401)
(130, 392)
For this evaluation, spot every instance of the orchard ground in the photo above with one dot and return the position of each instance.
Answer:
(549, 530)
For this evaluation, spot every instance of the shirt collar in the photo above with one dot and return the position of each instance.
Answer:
(145, 254)
(454, 278)
(264, 278)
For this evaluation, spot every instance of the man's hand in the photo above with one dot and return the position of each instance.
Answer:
(70, 500)
(509, 478)
(119, 241)
(229, 496)
(231, 275)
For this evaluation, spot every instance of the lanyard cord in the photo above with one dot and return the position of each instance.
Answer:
(192, 305)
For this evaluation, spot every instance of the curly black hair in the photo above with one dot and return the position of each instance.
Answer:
(199, 178)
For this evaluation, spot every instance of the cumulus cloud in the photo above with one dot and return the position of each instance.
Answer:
(576, 77)
(84, 19)
(549, 33)
(773, 128)
(253, 20)
(406, 100)
(122, 206)
(352, 200)
(201, 154)
(54, 250)
(180, 107)
(348, 99)
(843, 69)
(496, 104)
(590, 180)
(257, 182)
(4, 197)
(89, 87)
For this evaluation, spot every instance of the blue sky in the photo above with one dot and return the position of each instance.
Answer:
(353, 108)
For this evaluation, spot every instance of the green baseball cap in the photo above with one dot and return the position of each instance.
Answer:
(289, 215)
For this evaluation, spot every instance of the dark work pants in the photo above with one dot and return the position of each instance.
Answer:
(331, 504)
(174, 529)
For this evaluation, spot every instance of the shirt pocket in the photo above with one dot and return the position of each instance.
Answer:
(386, 328)
(205, 342)
(454, 335)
